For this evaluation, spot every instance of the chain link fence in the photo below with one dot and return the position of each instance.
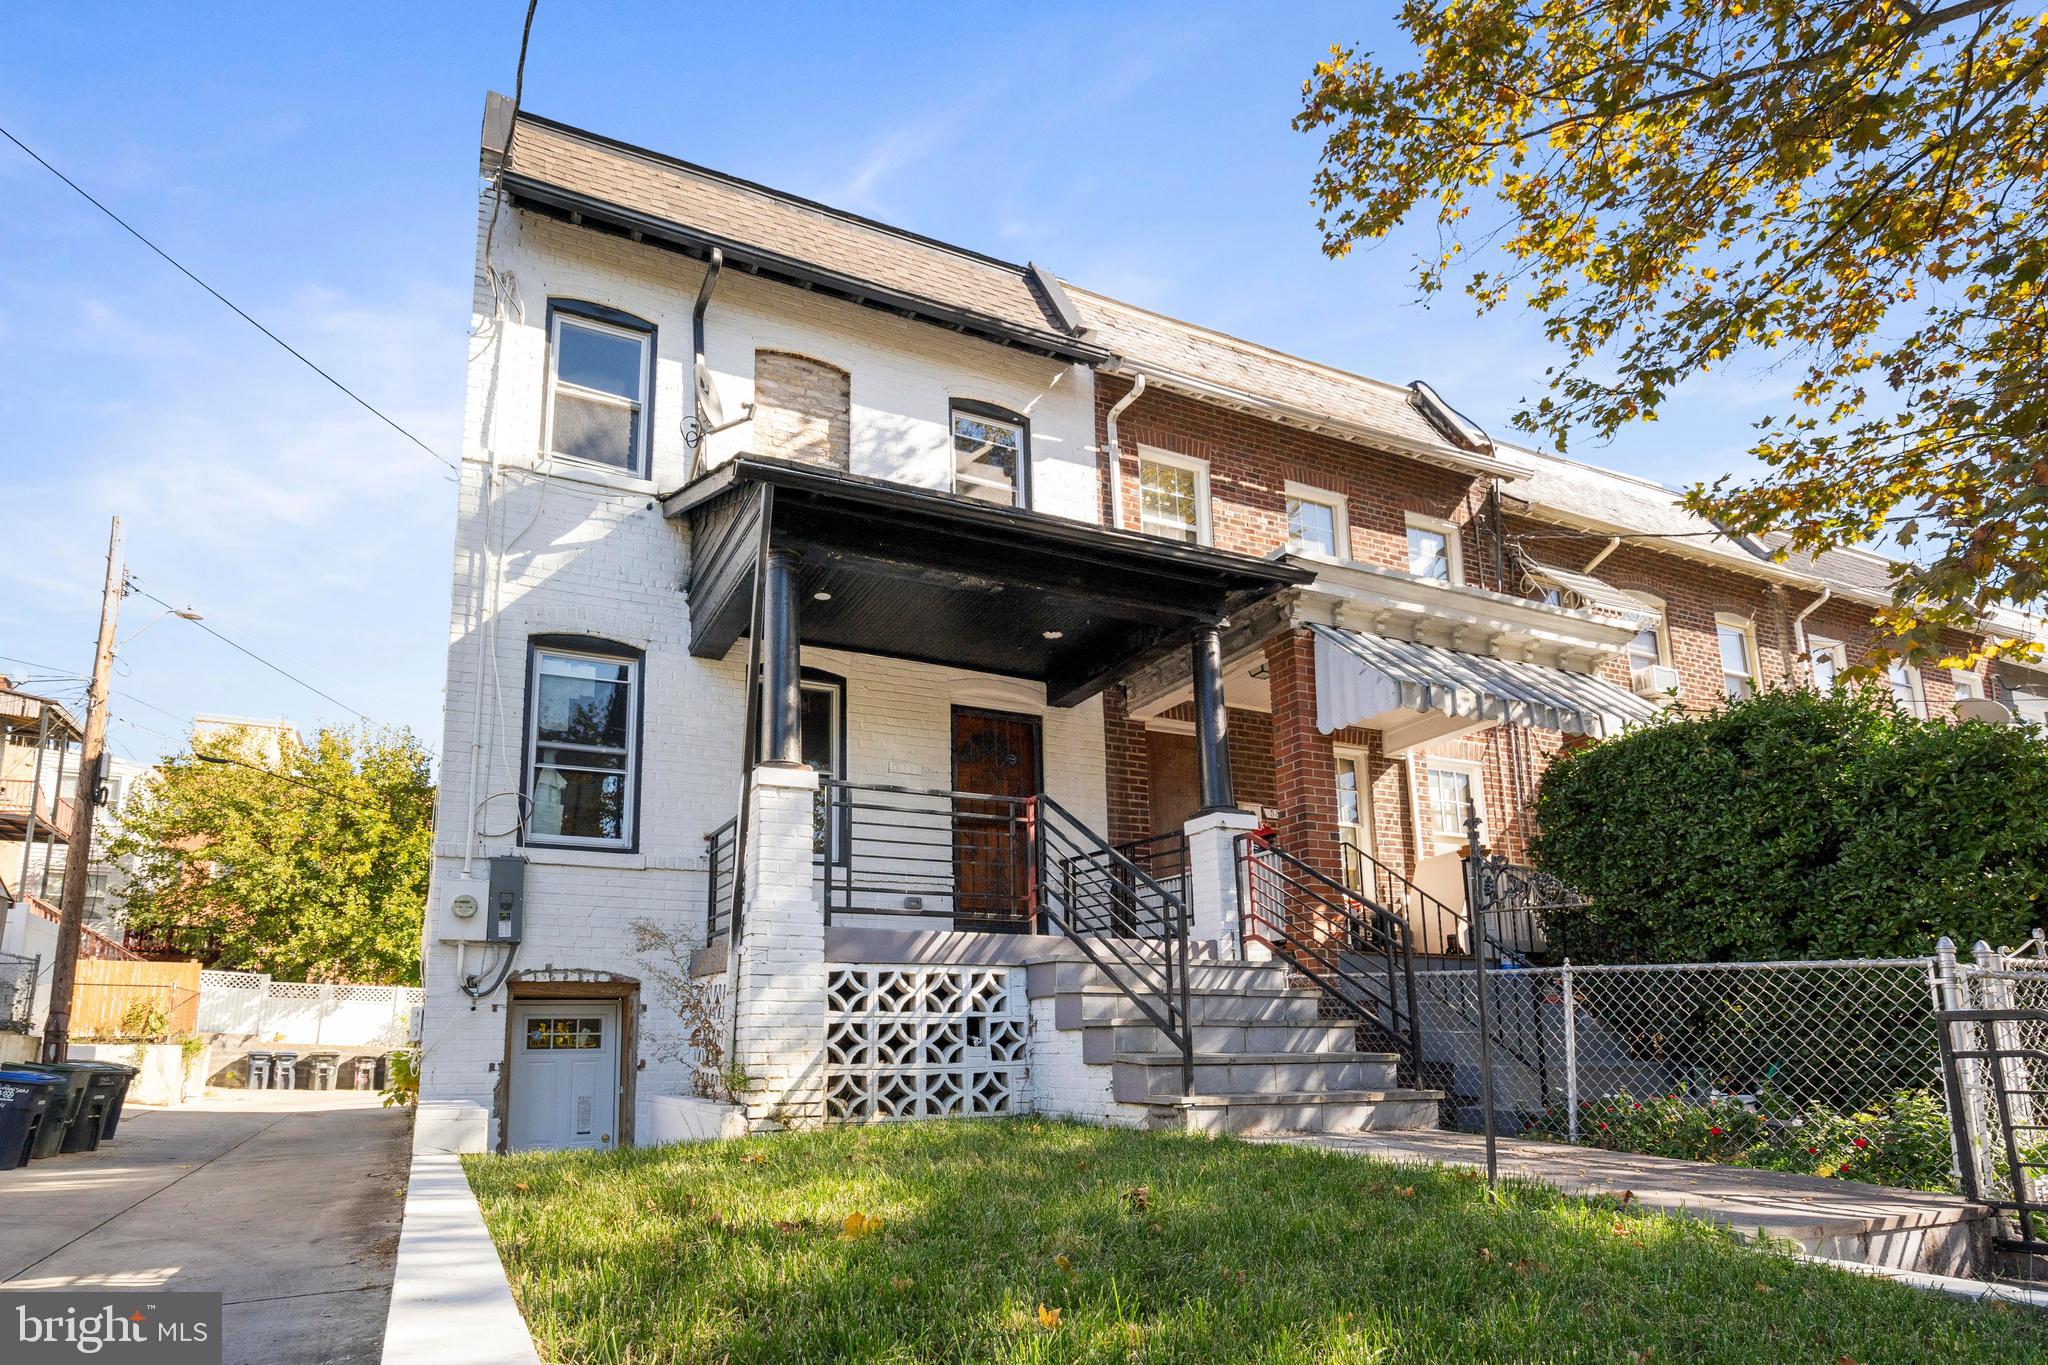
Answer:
(1826, 1068)
(2000, 1080)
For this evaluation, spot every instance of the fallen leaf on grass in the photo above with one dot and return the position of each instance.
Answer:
(1048, 1318)
(1406, 1191)
(902, 1284)
(754, 1158)
(1485, 1256)
(520, 1185)
(783, 1225)
(1138, 1198)
(858, 1224)
(1065, 1266)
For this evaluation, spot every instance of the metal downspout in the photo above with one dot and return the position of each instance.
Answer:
(712, 269)
(1799, 622)
(1116, 453)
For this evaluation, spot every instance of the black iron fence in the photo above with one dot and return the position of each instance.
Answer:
(721, 863)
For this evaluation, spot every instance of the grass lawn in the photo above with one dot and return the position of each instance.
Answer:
(1042, 1241)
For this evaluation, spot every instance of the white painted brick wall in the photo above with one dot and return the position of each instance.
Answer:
(1064, 1086)
(588, 553)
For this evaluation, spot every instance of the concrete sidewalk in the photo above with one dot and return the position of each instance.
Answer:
(287, 1203)
(1840, 1220)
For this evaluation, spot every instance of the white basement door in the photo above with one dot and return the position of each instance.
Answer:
(565, 1074)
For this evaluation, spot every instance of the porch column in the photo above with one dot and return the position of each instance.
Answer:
(782, 738)
(1212, 721)
(1214, 888)
(779, 1031)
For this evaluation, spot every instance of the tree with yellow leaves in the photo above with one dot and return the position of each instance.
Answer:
(1853, 188)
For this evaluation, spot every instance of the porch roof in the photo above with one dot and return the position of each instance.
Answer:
(909, 573)
(1415, 692)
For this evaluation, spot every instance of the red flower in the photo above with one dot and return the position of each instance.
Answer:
(1860, 1142)
(1842, 1169)
(1714, 1132)
(1813, 1151)
(1603, 1128)
(1638, 1106)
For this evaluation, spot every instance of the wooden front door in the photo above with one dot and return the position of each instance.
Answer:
(995, 755)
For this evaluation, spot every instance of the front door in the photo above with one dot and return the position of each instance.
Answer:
(565, 1074)
(995, 754)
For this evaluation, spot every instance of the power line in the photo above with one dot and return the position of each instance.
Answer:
(280, 671)
(236, 308)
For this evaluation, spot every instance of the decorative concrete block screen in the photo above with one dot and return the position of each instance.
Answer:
(923, 1042)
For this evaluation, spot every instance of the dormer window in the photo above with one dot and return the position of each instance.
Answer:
(991, 455)
(600, 372)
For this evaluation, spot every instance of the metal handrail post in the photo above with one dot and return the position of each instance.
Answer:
(1475, 911)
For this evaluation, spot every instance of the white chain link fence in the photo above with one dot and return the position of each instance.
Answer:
(1826, 1068)
(252, 1005)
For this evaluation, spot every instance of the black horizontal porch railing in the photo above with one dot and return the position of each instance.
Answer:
(965, 857)
(721, 861)
(1440, 928)
(1163, 857)
(1359, 953)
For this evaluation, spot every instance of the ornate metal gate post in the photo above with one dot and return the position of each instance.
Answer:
(1477, 906)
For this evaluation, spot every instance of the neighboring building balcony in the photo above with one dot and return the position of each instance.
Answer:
(23, 802)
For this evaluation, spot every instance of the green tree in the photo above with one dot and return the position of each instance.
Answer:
(1855, 190)
(307, 861)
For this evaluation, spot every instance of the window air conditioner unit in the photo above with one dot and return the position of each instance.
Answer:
(1658, 680)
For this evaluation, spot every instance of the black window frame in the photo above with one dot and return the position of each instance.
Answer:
(974, 407)
(611, 317)
(595, 646)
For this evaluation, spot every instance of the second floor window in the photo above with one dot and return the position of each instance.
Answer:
(1433, 550)
(1315, 522)
(582, 745)
(1828, 659)
(1173, 498)
(991, 455)
(600, 371)
(1738, 657)
(1905, 684)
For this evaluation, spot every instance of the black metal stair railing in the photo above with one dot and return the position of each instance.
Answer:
(1510, 931)
(1357, 952)
(721, 861)
(1123, 919)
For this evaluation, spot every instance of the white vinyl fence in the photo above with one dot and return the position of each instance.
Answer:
(251, 1004)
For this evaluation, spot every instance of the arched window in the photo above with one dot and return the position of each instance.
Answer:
(803, 409)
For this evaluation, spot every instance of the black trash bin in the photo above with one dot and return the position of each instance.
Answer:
(64, 1104)
(104, 1082)
(123, 1075)
(24, 1101)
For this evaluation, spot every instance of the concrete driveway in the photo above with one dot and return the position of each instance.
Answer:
(285, 1202)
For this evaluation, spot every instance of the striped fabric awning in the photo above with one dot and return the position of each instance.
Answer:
(1365, 678)
(1598, 596)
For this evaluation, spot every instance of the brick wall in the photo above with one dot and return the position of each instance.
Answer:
(802, 409)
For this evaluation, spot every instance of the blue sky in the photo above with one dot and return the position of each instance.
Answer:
(318, 164)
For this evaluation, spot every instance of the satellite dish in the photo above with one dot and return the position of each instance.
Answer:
(708, 403)
(1983, 709)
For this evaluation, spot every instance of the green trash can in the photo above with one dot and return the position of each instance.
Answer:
(24, 1100)
(64, 1105)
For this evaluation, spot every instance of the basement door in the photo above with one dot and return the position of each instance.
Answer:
(565, 1074)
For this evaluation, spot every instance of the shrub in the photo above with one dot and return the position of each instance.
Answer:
(1794, 825)
(1903, 1141)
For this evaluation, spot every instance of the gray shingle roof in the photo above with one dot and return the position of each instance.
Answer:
(1860, 572)
(718, 206)
(1151, 343)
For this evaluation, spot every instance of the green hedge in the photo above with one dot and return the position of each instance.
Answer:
(1794, 825)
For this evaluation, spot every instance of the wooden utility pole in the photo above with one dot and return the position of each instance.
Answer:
(78, 851)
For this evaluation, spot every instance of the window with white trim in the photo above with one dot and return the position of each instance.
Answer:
(1316, 523)
(991, 455)
(1433, 550)
(1454, 789)
(1173, 497)
(582, 743)
(600, 371)
(1354, 801)
(1829, 659)
(1969, 687)
(1904, 680)
(1649, 648)
(1738, 655)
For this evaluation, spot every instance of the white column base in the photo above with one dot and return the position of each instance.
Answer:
(780, 1028)
(1212, 882)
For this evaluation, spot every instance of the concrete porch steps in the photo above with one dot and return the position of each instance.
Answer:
(1265, 1060)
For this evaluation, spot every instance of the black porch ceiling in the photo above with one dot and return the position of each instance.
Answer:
(907, 573)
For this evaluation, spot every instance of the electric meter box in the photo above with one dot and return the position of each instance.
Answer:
(504, 911)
